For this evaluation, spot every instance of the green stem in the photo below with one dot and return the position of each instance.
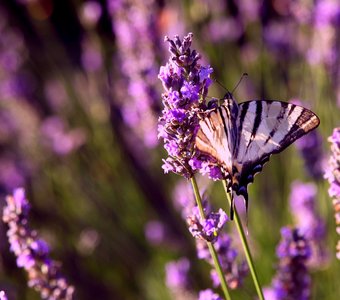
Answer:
(211, 247)
(245, 246)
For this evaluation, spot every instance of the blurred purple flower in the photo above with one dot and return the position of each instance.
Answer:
(292, 280)
(33, 253)
(154, 232)
(234, 271)
(3, 295)
(324, 48)
(15, 80)
(333, 176)
(177, 274)
(208, 295)
(59, 140)
(310, 147)
(310, 224)
(91, 56)
(138, 44)
(90, 13)
(12, 173)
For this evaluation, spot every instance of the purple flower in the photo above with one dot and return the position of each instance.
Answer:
(209, 228)
(292, 280)
(177, 274)
(186, 83)
(33, 253)
(59, 140)
(333, 176)
(310, 147)
(208, 295)
(138, 49)
(3, 295)
(155, 232)
(91, 57)
(310, 224)
(90, 13)
(234, 270)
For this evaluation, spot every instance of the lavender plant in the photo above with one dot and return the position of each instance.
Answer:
(134, 24)
(32, 253)
(292, 280)
(303, 207)
(186, 84)
(177, 279)
(333, 176)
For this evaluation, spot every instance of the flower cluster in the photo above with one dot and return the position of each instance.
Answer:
(208, 295)
(186, 84)
(208, 228)
(234, 271)
(33, 253)
(333, 176)
(292, 280)
(177, 279)
(310, 224)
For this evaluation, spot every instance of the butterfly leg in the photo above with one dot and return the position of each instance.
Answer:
(232, 207)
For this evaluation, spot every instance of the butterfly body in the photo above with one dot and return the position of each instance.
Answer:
(242, 137)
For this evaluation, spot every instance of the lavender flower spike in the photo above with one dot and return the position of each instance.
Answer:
(333, 176)
(292, 280)
(32, 253)
(3, 295)
(186, 84)
(307, 219)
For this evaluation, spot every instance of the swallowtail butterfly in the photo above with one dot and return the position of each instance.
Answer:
(242, 137)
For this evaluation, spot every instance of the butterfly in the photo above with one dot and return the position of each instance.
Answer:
(242, 137)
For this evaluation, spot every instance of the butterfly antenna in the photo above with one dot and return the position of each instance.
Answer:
(220, 84)
(238, 83)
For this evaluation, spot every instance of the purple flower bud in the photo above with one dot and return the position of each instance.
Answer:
(209, 228)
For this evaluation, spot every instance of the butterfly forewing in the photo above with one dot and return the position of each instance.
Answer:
(269, 127)
(212, 139)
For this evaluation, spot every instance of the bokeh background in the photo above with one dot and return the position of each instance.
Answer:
(79, 103)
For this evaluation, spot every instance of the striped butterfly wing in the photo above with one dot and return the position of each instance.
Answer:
(215, 137)
(266, 127)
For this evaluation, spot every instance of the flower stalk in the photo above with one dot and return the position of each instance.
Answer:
(245, 245)
(211, 247)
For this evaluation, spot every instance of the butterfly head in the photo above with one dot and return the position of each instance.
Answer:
(229, 102)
